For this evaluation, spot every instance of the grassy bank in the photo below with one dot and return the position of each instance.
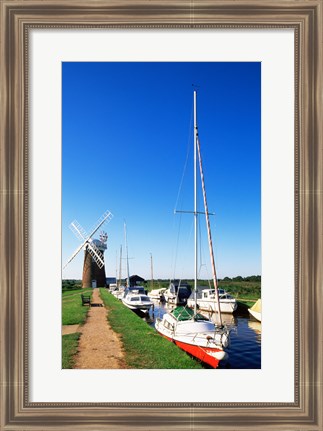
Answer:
(144, 347)
(69, 349)
(73, 313)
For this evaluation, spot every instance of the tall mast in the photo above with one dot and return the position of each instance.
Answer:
(195, 207)
(117, 267)
(151, 269)
(126, 244)
(215, 281)
(120, 266)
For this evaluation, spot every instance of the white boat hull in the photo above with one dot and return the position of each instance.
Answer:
(255, 314)
(140, 304)
(255, 310)
(226, 306)
(170, 299)
(157, 294)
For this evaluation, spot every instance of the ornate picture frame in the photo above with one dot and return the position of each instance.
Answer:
(17, 18)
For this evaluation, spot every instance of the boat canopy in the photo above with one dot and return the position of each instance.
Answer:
(182, 313)
(257, 306)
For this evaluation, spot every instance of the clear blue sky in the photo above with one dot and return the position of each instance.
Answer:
(127, 134)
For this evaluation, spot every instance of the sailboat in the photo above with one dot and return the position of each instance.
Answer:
(188, 329)
(134, 297)
(155, 294)
(119, 291)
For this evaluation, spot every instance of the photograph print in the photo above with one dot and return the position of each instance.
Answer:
(161, 215)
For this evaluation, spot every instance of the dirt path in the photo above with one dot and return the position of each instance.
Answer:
(99, 346)
(70, 329)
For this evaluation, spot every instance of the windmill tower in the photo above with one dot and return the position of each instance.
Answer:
(93, 268)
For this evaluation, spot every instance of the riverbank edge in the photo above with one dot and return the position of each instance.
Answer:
(144, 347)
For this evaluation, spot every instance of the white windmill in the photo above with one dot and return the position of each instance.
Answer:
(93, 268)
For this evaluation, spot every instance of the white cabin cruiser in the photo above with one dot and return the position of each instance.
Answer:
(206, 300)
(136, 299)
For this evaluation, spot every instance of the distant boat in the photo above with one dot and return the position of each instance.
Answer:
(255, 310)
(118, 292)
(206, 300)
(135, 298)
(157, 294)
(188, 329)
(177, 293)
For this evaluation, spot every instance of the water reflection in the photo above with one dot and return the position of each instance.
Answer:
(256, 327)
(245, 335)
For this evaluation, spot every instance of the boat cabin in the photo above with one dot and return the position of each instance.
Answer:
(205, 293)
(142, 298)
(135, 280)
(135, 290)
(183, 289)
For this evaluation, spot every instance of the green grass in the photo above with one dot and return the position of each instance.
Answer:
(248, 304)
(69, 349)
(242, 289)
(71, 292)
(73, 312)
(144, 347)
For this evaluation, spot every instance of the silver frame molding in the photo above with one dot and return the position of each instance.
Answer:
(17, 18)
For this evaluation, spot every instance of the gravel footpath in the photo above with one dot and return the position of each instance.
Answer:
(99, 346)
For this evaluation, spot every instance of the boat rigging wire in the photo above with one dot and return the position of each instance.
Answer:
(186, 160)
(215, 280)
(188, 150)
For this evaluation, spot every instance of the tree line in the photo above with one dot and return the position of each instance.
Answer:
(239, 278)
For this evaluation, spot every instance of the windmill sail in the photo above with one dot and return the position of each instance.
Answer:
(78, 230)
(107, 216)
(86, 239)
(73, 255)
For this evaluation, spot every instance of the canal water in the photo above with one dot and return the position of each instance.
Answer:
(245, 337)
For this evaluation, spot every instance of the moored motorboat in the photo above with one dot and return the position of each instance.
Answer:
(205, 299)
(157, 294)
(134, 290)
(137, 301)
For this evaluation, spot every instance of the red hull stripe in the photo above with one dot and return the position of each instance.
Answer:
(200, 353)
